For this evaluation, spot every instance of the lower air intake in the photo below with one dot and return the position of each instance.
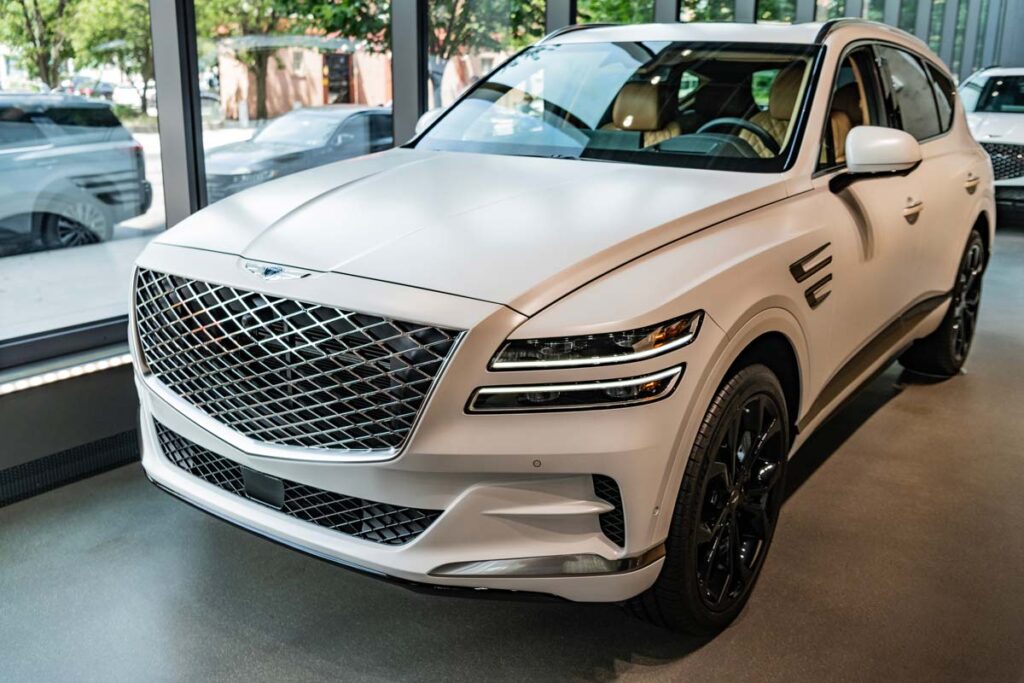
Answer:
(357, 517)
(613, 522)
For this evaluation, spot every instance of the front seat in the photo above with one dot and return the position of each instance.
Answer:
(645, 108)
(781, 100)
(846, 113)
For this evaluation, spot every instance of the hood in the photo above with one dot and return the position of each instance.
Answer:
(518, 231)
(997, 128)
(245, 157)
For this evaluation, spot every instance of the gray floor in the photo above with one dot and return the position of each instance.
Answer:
(900, 556)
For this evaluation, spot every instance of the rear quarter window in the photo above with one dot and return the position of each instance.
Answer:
(945, 96)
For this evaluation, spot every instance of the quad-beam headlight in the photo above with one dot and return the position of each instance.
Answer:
(610, 393)
(598, 349)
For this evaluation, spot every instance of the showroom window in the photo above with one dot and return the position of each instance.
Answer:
(825, 10)
(469, 38)
(776, 11)
(80, 176)
(282, 91)
(614, 11)
(707, 10)
(908, 15)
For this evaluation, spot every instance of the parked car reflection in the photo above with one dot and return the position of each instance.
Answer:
(69, 171)
(298, 140)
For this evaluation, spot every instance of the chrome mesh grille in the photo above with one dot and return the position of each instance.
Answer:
(287, 372)
(1007, 160)
(365, 519)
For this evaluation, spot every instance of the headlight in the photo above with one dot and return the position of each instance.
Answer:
(253, 177)
(598, 349)
(611, 393)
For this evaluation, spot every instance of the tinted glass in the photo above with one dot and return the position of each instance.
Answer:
(944, 96)
(911, 101)
(627, 102)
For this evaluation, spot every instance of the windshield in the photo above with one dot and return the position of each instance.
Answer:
(308, 129)
(696, 105)
(997, 94)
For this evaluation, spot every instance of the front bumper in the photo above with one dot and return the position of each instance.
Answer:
(509, 486)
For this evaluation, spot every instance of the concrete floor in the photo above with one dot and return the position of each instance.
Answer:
(900, 556)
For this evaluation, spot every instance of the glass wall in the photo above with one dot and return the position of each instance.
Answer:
(284, 90)
(776, 11)
(707, 10)
(615, 11)
(826, 9)
(468, 38)
(81, 190)
(908, 15)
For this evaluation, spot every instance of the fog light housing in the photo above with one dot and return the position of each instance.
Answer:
(611, 393)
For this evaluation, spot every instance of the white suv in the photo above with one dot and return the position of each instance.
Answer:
(565, 340)
(994, 100)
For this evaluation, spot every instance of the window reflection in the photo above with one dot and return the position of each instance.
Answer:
(284, 92)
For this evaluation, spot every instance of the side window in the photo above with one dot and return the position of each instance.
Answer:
(17, 129)
(688, 84)
(970, 92)
(380, 132)
(945, 95)
(855, 102)
(354, 135)
(909, 93)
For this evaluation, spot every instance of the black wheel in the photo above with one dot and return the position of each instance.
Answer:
(727, 509)
(944, 351)
(88, 227)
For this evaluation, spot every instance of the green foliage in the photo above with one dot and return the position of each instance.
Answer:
(615, 11)
(39, 29)
(115, 32)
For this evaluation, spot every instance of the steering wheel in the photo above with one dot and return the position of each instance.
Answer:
(749, 126)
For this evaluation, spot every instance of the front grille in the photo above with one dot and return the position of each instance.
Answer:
(613, 522)
(286, 372)
(1007, 160)
(364, 519)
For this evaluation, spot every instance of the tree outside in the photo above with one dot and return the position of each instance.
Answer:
(115, 32)
(40, 29)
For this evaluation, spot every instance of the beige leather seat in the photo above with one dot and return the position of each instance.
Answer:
(846, 113)
(645, 108)
(781, 100)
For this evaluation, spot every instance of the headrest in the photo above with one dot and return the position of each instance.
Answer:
(785, 88)
(847, 99)
(714, 100)
(640, 106)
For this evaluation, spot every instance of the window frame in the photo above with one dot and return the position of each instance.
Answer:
(873, 43)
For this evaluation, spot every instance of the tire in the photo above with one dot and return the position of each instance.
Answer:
(86, 226)
(715, 509)
(944, 351)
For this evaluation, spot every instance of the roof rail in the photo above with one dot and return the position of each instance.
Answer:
(574, 27)
(833, 24)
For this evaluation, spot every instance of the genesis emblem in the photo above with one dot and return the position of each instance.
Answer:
(271, 271)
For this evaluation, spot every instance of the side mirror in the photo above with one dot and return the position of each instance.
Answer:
(428, 118)
(874, 150)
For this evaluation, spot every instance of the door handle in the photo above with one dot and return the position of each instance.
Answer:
(971, 184)
(913, 210)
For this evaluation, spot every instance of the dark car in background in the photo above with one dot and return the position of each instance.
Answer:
(69, 171)
(298, 140)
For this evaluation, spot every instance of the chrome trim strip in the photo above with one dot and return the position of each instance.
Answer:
(551, 566)
(675, 373)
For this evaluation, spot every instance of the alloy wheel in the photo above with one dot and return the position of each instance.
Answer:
(967, 300)
(742, 493)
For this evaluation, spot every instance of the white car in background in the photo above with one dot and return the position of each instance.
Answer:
(994, 100)
(566, 339)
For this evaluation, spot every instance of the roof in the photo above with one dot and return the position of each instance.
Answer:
(49, 99)
(337, 110)
(1003, 71)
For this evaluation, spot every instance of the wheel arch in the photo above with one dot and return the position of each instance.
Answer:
(775, 351)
